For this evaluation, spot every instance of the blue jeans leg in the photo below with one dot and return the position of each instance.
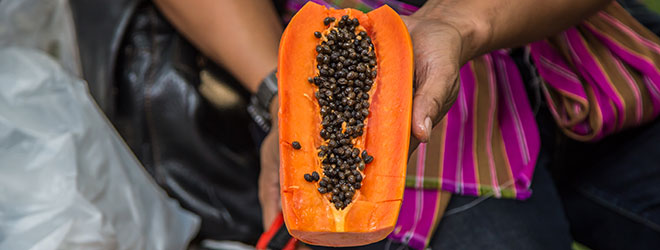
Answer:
(611, 189)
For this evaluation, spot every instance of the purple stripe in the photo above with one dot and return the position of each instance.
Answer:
(407, 9)
(415, 201)
(555, 70)
(641, 64)
(450, 159)
(421, 163)
(401, 8)
(582, 128)
(561, 71)
(520, 128)
(635, 35)
(460, 119)
(324, 3)
(633, 86)
(655, 93)
(405, 221)
(593, 75)
(293, 5)
(492, 111)
(467, 90)
(422, 232)
(416, 230)
(607, 112)
(522, 187)
(607, 94)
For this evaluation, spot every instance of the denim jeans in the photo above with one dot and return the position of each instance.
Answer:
(611, 189)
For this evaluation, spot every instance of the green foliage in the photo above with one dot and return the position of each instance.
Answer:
(578, 246)
(653, 4)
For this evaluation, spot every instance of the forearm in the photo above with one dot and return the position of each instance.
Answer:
(242, 36)
(486, 25)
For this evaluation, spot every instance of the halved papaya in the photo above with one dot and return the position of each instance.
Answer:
(345, 91)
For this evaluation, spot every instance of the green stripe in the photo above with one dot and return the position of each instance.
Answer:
(434, 183)
(363, 7)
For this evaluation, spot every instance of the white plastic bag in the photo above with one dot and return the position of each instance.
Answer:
(67, 180)
(46, 25)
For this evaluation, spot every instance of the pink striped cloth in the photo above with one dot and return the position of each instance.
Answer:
(487, 144)
(598, 78)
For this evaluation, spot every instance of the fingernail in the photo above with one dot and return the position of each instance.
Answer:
(428, 124)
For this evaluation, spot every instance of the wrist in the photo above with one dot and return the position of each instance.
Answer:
(274, 109)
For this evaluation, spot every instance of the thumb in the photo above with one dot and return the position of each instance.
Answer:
(435, 94)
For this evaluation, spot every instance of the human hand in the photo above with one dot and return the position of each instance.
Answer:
(269, 178)
(437, 48)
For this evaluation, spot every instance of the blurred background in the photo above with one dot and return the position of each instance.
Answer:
(653, 4)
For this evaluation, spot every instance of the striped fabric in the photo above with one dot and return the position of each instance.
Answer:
(601, 76)
(292, 6)
(422, 207)
(488, 142)
(598, 78)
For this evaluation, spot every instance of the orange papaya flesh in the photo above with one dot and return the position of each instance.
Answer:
(370, 214)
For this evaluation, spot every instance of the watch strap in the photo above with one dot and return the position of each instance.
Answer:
(267, 90)
(259, 107)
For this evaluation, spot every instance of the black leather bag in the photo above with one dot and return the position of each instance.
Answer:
(200, 150)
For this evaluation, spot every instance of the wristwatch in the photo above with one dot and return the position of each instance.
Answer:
(259, 107)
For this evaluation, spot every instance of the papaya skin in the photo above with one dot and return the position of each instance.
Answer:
(372, 215)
